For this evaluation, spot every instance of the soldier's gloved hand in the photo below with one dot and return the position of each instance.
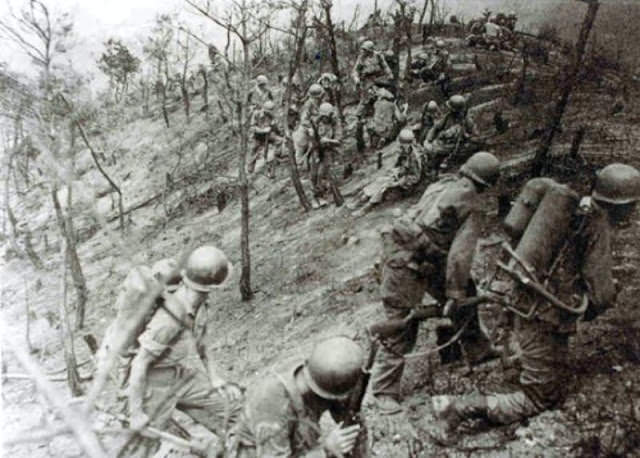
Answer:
(341, 440)
(450, 308)
(138, 420)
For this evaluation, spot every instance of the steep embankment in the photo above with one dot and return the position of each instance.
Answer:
(313, 274)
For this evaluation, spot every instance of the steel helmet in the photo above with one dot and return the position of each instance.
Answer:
(440, 44)
(456, 102)
(207, 268)
(512, 15)
(432, 106)
(166, 271)
(617, 184)
(385, 94)
(326, 109)
(315, 90)
(406, 136)
(329, 77)
(483, 168)
(269, 106)
(422, 56)
(367, 45)
(334, 368)
(261, 79)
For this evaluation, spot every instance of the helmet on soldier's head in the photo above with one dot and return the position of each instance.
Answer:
(315, 90)
(269, 106)
(326, 109)
(406, 136)
(334, 368)
(440, 44)
(261, 79)
(422, 56)
(432, 105)
(367, 46)
(617, 184)
(512, 15)
(483, 168)
(166, 271)
(389, 52)
(384, 94)
(328, 78)
(207, 268)
(457, 102)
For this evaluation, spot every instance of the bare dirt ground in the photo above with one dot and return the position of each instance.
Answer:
(313, 275)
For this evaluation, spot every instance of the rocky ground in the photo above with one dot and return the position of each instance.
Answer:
(313, 275)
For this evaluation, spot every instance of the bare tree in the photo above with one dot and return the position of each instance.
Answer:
(247, 21)
(185, 55)
(570, 80)
(157, 48)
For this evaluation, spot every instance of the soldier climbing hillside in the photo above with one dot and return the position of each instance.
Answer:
(560, 272)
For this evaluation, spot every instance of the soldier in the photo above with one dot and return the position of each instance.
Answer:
(512, 20)
(426, 259)
(325, 130)
(282, 411)
(371, 69)
(430, 114)
(405, 175)
(418, 64)
(387, 120)
(584, 268)
(265, 132)
(303, 135)
(260, 93)
(329, 83)
(448, 137)
(168, 372)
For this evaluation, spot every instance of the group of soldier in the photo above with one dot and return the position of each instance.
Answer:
(556, 246)
(556, 270)
(493, 32)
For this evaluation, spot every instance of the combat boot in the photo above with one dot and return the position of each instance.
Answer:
(450, 411)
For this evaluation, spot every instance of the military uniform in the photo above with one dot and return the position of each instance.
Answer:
(405, 175)
(259, 96)
(452, 131)
(276, 421)
(320, 162)
(369, 70)
(544, 340)
(386, 123)
(428, 250)
(175, 340)
(265, 131)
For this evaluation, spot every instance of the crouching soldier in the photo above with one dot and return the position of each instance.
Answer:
(282, 411)
(265, 132)
(405, 175)
(387, 120)
(172, 369)
(427, 256)
(578, 269)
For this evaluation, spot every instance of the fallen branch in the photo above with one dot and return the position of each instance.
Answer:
(76, 422)
(83, 378)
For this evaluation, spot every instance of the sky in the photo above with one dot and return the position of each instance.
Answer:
(97, 20)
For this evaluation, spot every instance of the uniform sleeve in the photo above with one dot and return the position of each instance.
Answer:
(272, 418)
(159, 334)
(597, 266)
(355, 73)
(460, 255)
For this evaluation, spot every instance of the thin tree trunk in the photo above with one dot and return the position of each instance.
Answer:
(27, 312)
(245, 277)
(73, 377)
(541, 158)
(333, 48)
(163, 94)
(205, 91)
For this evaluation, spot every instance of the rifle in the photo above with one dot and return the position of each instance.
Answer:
(354, 407)
(387, 328)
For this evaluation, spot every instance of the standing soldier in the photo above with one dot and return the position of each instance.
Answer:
(426, 262)
(450, 135)
(326, 137)
(282, 411)
(370, 70)
(261, 93)
(265, 132)
(582, 264)
(329, 83)
(173, 369)
(303, 135)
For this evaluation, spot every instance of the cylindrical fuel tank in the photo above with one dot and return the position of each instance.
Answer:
(525, 206)
(549, 226)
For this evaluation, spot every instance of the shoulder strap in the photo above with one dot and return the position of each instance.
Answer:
(292, 392)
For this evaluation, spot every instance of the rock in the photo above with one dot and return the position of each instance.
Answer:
(353, 240)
